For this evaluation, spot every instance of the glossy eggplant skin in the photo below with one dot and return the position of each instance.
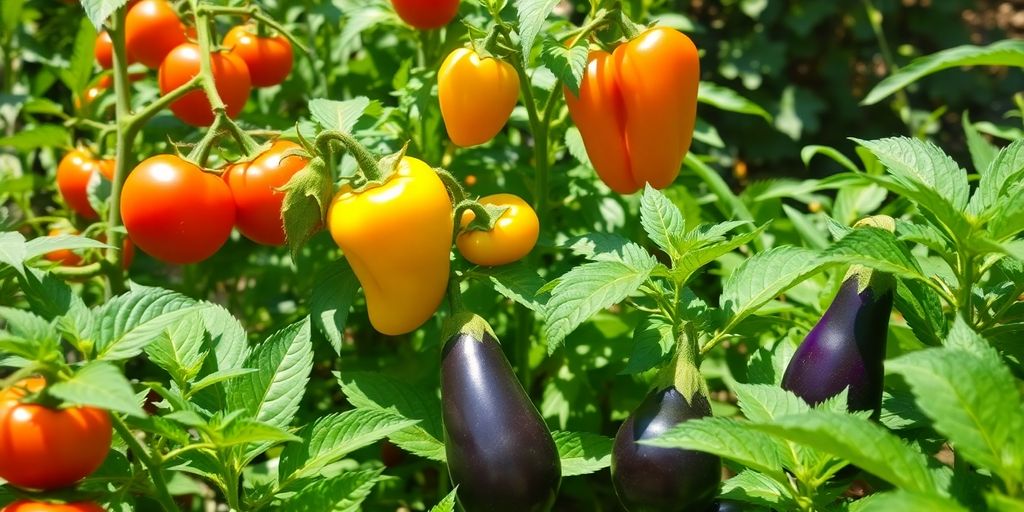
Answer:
(846, 349)
(500, 452)
(654, 479)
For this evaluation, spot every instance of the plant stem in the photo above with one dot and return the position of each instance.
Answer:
(126, 131)
(163, 496)
(902, 100)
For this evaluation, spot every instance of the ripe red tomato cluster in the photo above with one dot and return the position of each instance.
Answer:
(156, 37)
(43, 448)
(178, 213)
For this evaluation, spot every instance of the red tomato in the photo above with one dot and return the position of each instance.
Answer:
(254, 186)
(176, 212)
(230, 75)
(42, 506)
(152, 30)
(269, 59)
(73, 175)
(42, 448)
(104, 50)
(426, 14)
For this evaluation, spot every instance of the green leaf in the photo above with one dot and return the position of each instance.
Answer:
(922, 309)
(653, 340)
(763, 403)
(1002, 172)
(380, 392)
(662, 221)
(574, 143)
(706, 243)
(1008, 216)
(132, 342)
(730, 439)
(283, 362)
(903, 500)
(518, 282)
(753, 487)
(338, 115)
(913, 161)
(599, 246)
(982, 151)
(99, 10)
(248, 431)
(448, 503)
(102, 385)
(531, 14)
(878, 249)
(566, 63)
(809, 152)
(764, 276)
(10, 14)
(591, 287)
(42, 136)
(859, 441)
(180, 348)
(1001, 53)
(333, 294)
(44, 244)
(332, 437)
(342, 493)
(76, 75)
(582, 453)
(729, 100)
(972, 399)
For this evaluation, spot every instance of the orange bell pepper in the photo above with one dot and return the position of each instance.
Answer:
(637, 108)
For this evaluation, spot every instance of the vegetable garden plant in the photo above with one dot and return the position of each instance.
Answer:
(480, 256)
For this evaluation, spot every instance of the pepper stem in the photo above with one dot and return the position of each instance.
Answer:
(367, 163)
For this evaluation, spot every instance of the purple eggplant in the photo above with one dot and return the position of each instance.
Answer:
(846, 349)
(655, 479)
(500, 453)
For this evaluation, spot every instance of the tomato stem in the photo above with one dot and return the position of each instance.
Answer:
(163, 496)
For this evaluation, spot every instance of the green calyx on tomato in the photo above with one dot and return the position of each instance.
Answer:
(174, 211)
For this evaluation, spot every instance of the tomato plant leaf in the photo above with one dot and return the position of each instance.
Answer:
(343, 493)
(247, 431)
(729, 100)
(567, 63)
(375, 391)
(764, 276)
(859, 441)
(878, 249)
(1001, 53)
(44, 244)
(131, 321)
(99, 384)
(653, 340)
(982, 151)
(531, 15)
(919, 163)
(662, 221)
(99, 10)
(582, 453)
(41, 136)
(448, 503)
(970, 396)
(76, 75)
(338, 115)
(730, 439)
(591, 287)
(1002, 172)
(283, 362)
(757, 488)
(332, 437)
(518, 282)
(904, 500)
(333, 293)
(179, 349)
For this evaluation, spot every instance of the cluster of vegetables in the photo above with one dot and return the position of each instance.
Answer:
(636, 111)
